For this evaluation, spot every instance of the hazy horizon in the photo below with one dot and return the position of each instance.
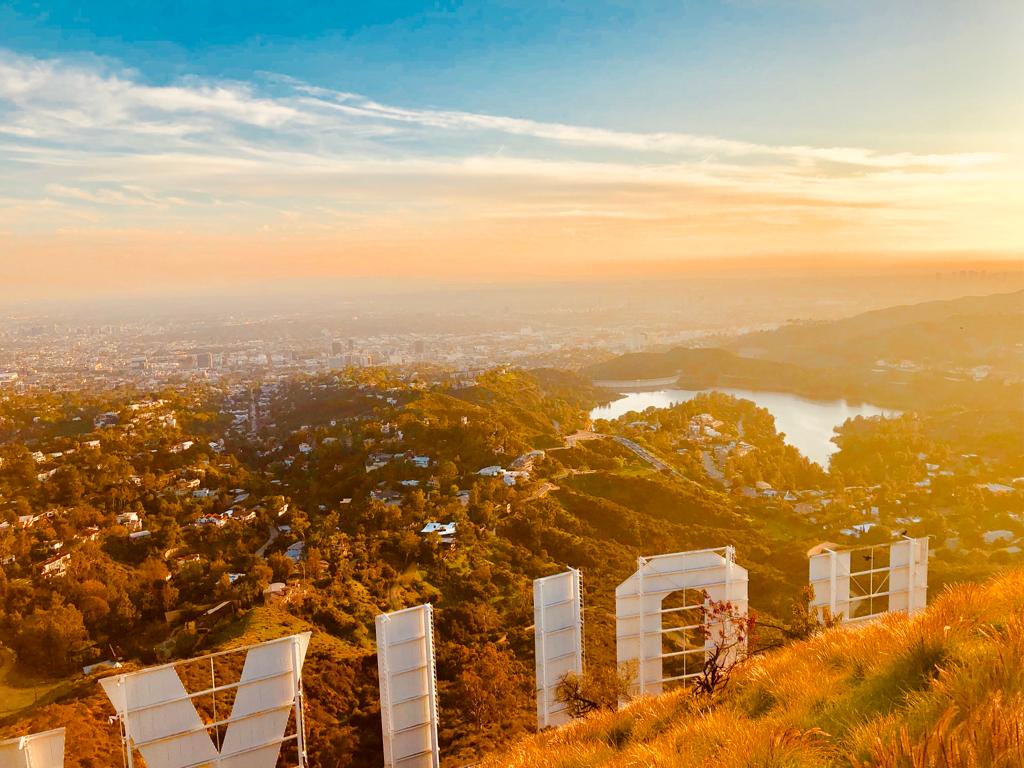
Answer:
(789, 296)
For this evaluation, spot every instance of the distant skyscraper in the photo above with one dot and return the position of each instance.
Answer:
(204, 360)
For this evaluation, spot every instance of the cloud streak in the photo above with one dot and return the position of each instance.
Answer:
(98, 145)
(659, 142)
(53, 98)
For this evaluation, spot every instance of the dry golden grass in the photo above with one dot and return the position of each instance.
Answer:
(944, 689)
(21, 691)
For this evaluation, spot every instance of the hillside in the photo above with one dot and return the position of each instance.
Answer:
(964, 332)
(923, 356)
(352, 469)
(338, 454)
(688, 363)
(945, 688)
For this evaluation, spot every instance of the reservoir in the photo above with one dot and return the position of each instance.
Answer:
(807, 424)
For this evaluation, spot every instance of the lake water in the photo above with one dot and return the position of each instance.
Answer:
(807, 424)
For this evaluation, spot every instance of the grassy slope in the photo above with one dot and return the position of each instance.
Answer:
(945, 688)
(19, 691)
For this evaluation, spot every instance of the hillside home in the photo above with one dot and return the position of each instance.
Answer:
(294, 551)
(55, 566)
(996, 488)
(445, 530)
(991, 537)
(130, 520)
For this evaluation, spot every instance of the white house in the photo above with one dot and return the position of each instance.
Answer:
(130, 520)
(512, 477)
(995, 487)
(445, 530)
(991, 537)
(56, 566)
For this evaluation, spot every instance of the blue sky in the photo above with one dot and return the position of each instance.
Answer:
(871, 71)
(612, 130)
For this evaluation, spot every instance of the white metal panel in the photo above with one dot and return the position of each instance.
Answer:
(638, 607)
(263, 704)
(37, 750)
(830, 582)
(408, 688)
(851, 583)
(159, 719)
(908, 575)
(558, 640)
(919, 580)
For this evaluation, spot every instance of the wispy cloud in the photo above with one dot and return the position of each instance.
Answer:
(55, 94)
(89, 142)
(125, 195)
(57, 99)
(661, 142)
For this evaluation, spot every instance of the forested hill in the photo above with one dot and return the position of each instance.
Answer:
(965, 332)
(923, 356)
(330, 496)
(691, 365)
(148, 528)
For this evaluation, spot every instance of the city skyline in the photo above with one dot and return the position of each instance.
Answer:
(450, 141)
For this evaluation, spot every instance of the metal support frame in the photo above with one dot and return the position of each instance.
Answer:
(300, 700)
(903, 585)
(566, 634)
(429, 755)
(116, 690)
(22, 751)
(712, 570)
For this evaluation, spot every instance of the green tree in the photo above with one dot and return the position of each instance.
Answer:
(51, 640)
(491, 684)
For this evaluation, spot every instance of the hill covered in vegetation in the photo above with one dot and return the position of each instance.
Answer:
(964, 332)
(148, 527)
(943, 688)
(923, 356)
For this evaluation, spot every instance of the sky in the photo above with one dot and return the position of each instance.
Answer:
(157, 145)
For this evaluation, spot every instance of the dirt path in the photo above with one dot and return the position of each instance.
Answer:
(582, 435)
(274, 533)
(545, 488)
(711, 468)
